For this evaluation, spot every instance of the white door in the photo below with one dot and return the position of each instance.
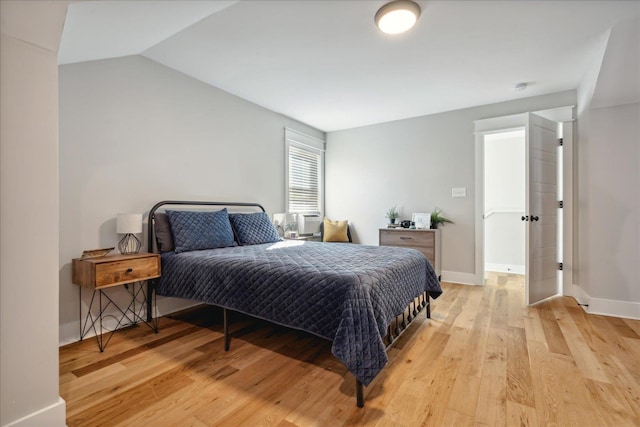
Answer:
(541, 209)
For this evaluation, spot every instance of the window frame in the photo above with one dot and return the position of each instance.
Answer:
(310, 144)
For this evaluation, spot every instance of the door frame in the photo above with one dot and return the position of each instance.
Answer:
(566, 117)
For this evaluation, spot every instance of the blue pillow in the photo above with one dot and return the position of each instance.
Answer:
(193, 231)
(254, 228)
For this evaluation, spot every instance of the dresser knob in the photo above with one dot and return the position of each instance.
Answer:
(405, 238)
(129, 270)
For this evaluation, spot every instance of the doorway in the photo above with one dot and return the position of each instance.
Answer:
(548, 174)
(504, 202)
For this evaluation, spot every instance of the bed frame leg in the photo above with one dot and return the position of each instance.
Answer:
(226, 329)
(150, 288)
(359, 394)
(428, 306)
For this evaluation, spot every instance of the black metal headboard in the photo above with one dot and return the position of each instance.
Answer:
(150, 233)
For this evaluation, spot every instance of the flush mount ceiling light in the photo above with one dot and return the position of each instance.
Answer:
(397, 17)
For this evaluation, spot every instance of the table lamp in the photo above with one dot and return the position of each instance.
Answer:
(129, 225)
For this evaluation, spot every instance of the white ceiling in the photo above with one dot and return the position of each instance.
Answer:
(324, 63)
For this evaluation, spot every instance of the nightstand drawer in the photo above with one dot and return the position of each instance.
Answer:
(115, 270)
(126, 271)
(410, 239)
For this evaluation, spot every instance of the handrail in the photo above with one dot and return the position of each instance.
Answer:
(492, 211)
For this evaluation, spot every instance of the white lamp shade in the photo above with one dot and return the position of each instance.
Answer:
(129, 223)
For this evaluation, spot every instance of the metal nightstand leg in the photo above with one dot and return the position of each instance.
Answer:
(133, 314)
(142, 297)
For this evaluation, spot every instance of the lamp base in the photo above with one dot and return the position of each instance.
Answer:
(129, 244)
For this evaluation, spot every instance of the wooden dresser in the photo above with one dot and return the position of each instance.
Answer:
(426, 241)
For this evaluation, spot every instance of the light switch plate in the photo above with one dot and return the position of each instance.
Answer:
(459, 192)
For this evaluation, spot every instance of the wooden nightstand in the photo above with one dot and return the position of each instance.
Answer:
(99, 274)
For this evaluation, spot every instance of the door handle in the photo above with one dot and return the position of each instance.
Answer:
(525, 218)
(534, 218)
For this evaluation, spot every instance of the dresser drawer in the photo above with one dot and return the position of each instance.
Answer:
(430, 253)
(115, 270)
(426, 241)
(409, 239)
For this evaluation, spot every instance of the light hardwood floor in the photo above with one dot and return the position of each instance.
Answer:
(483, 359)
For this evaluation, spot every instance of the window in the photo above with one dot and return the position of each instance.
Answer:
(304, 173)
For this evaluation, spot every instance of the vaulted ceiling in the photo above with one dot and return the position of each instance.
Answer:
(325, 63)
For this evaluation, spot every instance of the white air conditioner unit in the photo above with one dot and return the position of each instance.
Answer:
(309, 224)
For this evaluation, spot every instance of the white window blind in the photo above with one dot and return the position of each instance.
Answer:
(304, 173)
(304, 180)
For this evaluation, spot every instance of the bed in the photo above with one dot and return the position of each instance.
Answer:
(359, 297)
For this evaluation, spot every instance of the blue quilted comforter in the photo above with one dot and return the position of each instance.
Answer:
(345, 293)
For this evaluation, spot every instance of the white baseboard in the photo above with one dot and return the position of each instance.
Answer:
(457, 277)
(52, 415)
(580, 295)
(505, 268)
(70, 332)
(606, 307)
(172, 305)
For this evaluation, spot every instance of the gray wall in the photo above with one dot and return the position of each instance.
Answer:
(29, 368)
(134, 132)
(606, 193)
(609, 207)
(415, 163)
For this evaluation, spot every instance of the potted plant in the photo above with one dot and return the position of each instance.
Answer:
(436, 219)
(392, 214)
